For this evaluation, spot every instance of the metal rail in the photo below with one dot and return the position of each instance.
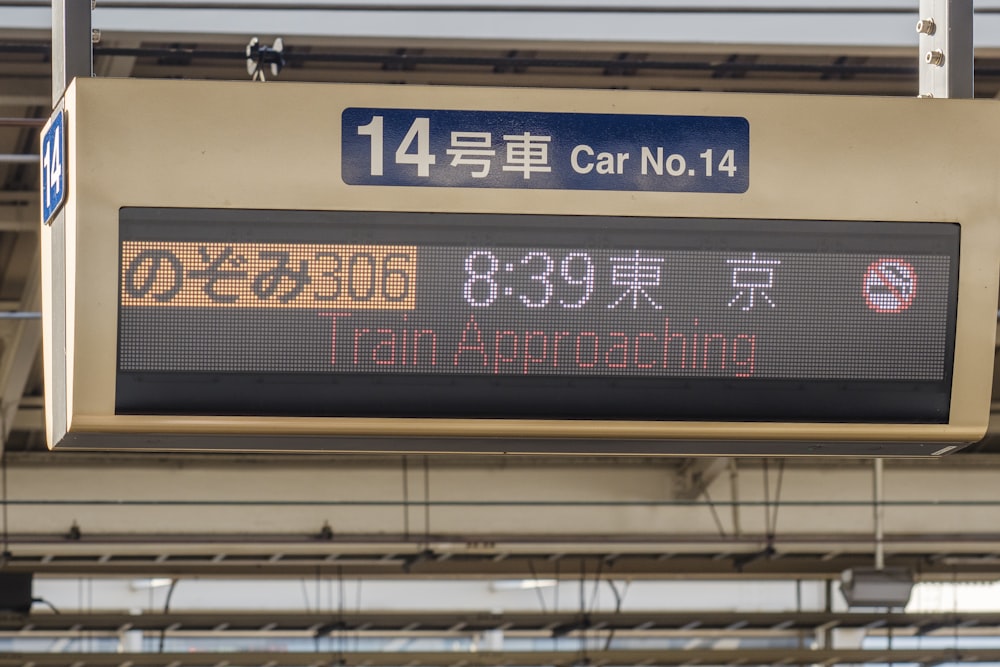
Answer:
(647, 658)
(547, 624)
(22, 122)
(18, 158)
(70, 558)
(293, 57)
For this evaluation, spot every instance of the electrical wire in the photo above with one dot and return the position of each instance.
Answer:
(597, 585)
(47, 604)
(538, 588)
(341, 623)
(406, 499)
(305, 596)
(767, 500)
(583, 613)
(5, 554)
(427, 502)
(715, 514)
(619, 599)
(777, 496)
(166, 608)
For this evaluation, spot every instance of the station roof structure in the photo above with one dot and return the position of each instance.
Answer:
(72, 518)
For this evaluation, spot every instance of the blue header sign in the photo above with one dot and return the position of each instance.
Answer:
(53, 167)
(548, 151)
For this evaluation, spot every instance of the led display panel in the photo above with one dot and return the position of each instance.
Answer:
(453, 315)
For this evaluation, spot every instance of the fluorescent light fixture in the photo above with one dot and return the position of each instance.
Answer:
(521, 584)
(146, 584)
(873, 587)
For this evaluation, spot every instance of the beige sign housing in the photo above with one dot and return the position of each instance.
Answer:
(593, 296)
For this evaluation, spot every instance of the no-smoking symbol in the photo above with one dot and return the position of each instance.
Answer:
(890, 285)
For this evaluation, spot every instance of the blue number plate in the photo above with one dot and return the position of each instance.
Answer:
(53, 177)
(549, 151)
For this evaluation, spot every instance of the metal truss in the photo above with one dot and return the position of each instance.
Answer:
(415, 624)
(654, 658)
(212, 560)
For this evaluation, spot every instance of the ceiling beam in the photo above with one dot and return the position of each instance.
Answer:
(117, 67)
(437, 622)
(22, 339)
(65, 556)
(25, 92)
(649, 657)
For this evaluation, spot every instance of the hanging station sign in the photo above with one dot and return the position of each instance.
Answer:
(458, 270)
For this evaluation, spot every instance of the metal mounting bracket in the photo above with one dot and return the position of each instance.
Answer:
(946, 48)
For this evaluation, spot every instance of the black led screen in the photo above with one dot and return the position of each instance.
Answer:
(298, 313)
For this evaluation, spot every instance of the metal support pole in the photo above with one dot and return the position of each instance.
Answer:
(72, 44)
(72, 56)
(734, 485)
(879, 515)
(946, 48)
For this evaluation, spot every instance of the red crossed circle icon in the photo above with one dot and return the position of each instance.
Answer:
(890, 285)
